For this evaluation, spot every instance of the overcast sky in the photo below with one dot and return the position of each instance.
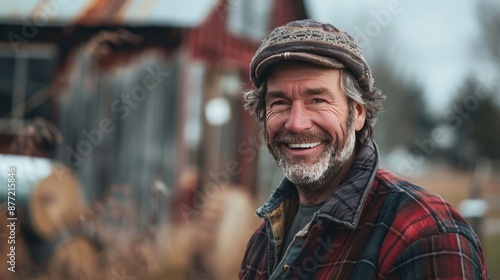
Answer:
(430, 41)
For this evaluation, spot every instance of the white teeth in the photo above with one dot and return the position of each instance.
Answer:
(304, 145)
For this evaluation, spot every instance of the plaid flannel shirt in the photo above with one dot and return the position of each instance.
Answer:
(374, 226)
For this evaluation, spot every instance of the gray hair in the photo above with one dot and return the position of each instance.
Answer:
(255, 102)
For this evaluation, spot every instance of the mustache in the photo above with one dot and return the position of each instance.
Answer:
(301, 138)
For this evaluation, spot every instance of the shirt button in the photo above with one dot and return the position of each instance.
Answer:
(286, 267)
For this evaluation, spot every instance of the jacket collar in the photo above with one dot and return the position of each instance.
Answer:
(345, 204)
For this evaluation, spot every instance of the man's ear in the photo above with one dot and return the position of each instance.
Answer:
(359, 116)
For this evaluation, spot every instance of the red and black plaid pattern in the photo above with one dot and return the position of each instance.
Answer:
(390, 229)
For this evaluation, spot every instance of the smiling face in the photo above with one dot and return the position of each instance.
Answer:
(310, 125)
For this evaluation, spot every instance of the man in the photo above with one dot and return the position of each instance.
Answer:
(336, 214)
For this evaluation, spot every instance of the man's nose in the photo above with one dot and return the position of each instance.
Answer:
(298, 119)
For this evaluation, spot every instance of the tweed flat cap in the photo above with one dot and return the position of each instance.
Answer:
(315, 42)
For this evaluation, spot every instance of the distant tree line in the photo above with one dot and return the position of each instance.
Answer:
(469, 128)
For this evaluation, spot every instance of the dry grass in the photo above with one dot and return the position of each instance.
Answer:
(491, 246)
(455, 186)
(111, 246)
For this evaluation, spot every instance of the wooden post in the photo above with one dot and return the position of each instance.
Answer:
(474, 208)
(210, 154)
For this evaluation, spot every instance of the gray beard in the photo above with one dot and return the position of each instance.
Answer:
(312, 177)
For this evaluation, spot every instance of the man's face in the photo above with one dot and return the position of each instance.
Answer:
(310, 125)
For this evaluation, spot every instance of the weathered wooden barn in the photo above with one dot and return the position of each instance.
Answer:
(141, 91)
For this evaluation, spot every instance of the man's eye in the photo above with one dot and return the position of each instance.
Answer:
(277, 103)
(318, 100)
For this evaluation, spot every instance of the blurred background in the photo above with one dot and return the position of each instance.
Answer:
(134, 156)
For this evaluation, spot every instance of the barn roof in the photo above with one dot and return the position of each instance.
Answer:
(172, 13)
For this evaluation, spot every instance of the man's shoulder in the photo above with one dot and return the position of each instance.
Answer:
(419, 226)
(409, 193)
(417, 209)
